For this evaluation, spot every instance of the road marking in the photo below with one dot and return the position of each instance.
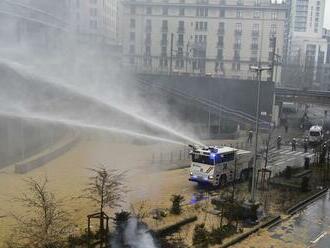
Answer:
(321, 235)
(298, 153)
(282, 162)
(290, 159)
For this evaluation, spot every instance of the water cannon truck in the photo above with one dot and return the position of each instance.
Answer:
(216, 166)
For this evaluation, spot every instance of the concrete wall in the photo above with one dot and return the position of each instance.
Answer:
(236, 94)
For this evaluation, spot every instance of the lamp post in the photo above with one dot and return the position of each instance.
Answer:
(258, 69)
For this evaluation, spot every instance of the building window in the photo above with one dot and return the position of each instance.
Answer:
(238, 29)
(221, 28)
(165, 10)
(93, 12)
(164, 26)
(222, 13)
(132, 36)
(132, 49)
(93, 24)
(237, 44)
(132, 23)
(181, 11)
(220, 54)
(202, 11)
(220, 42)
(240, 2)
(273, 29)
(256, 14)
(239, 14)
(274, 15)
(93, 1)
(131, 60)
(133, 10)
(149, 11)
(181, 27)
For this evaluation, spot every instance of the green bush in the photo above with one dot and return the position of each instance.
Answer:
(176, 204)
(200, 236)
(121, 218)
(219, 234)
(304, 184)
(288, 172)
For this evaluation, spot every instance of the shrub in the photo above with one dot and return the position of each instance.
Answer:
(176, 204)
(200, 236)
(219, 234)
(288, 172)
(121, 218)
(304, 184)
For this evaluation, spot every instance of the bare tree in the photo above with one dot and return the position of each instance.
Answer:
(44, 224)
(105, 189)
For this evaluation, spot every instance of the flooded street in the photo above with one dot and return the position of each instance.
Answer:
(308, 228)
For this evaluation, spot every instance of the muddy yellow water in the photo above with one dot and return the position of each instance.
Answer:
(68, 175)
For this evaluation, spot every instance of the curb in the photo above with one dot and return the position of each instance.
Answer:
(173, 227)
(273, 221)
(304, 203)
(31, 164)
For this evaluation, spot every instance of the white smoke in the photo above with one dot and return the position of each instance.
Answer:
(134, 235)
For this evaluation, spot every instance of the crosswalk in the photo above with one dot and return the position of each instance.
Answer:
(279, 159)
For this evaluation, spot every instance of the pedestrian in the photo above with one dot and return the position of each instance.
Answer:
(305, 144)
(279, 140)
(250, 137)
(294, 143)
(286, 128)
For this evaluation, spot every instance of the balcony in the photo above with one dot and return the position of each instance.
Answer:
(237, 46)
(148, 41)
(272, 33)
(181, 30)
(255, 33)
(254, 47)
(164, 42)
(180, 43)
(221, 31)
(238, 32)
(237, 57)
(164, 29)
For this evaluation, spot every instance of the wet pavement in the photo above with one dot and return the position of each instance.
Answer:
(308, 228)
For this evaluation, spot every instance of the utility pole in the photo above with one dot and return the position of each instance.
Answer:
(187, 50)
(273, 58)
(258, 69)
(171, 58)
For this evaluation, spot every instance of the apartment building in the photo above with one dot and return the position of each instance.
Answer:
(307, 47)
(215, 37)
(95, 19)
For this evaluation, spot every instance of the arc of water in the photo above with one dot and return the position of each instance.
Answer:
(104, 102)
(79, 124)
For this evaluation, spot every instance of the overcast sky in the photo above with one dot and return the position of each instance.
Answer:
(327, 14)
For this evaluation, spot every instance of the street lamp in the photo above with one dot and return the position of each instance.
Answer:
(258, 69)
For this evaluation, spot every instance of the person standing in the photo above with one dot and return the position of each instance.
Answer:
(279, 140)
(250, 136)
(294, 143)
(305, 144)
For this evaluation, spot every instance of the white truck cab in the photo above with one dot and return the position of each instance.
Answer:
(315, 134)
(219, 165)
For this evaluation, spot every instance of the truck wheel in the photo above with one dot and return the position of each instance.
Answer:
(223, 180)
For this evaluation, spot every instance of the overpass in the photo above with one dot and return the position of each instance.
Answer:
(302, 96)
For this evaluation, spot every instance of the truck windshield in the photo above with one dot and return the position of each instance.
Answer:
(313, 133)
(202, 159)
